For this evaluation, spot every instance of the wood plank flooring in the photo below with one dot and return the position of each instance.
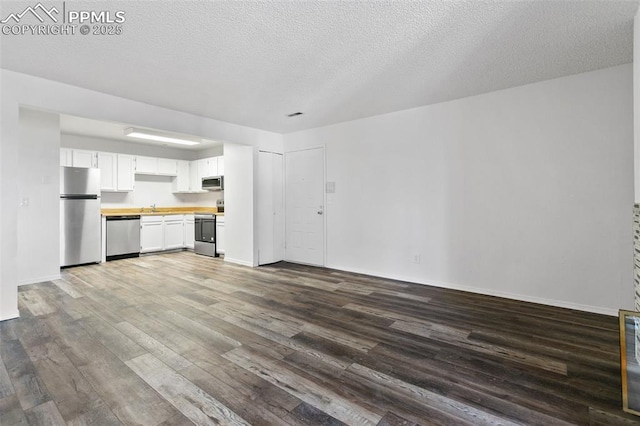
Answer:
(176, 339)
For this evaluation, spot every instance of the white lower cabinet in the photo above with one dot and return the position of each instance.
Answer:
(158, 233)
(189, 231)
(173, 232)
(151, 234)
(220, 234)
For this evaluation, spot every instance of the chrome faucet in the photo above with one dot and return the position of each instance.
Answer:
(153, 207)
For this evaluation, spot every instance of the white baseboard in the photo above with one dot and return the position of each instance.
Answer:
(489, 292)
(532, 299)
(10, 315)
(238, 262)
(39, 279)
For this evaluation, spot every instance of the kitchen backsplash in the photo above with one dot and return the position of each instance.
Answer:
(157, 190)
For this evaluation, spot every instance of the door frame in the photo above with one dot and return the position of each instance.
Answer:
(283, 206)
(324, 203)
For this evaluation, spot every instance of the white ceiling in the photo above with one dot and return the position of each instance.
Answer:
(254, 62)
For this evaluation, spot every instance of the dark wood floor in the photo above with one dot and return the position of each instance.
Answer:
(178, 338)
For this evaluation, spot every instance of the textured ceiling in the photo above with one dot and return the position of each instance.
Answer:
(254, 62)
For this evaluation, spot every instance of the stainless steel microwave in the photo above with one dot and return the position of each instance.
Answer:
(214, 183)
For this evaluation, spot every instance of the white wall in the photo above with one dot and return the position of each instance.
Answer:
(157, 190)
(38, 189)
(9, 155)
(239, 206)
(23, 90)
(636, 103)
(524, 193)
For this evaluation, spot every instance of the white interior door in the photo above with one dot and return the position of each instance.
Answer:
(304, 206)
(278, 207)
(270, 208)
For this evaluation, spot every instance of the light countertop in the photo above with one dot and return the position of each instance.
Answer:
(159, 211)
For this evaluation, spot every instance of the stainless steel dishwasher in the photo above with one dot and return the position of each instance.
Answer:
(123, 237)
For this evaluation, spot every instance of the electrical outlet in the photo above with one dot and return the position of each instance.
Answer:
(416, 258)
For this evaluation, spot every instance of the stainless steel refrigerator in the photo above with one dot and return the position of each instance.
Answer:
(80, 230)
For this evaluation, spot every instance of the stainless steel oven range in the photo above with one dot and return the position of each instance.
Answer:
(205, 235)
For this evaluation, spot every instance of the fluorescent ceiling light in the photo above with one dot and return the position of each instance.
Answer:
(153, 136)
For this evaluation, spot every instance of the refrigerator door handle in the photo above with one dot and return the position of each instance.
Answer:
(80, 196)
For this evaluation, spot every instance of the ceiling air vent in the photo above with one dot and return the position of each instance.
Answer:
(294, 114)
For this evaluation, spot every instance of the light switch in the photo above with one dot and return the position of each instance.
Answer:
(331, 187)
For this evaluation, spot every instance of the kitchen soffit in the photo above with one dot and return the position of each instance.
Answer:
(81, 126)
(253, 62)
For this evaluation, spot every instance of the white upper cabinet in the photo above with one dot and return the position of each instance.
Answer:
(107, 163)
(146, 165)
(156, 166)
(195, 180)
(182, 183)
(220, 166)
(125, 179)
(208, 167)
(213, 166)
(116, 172)
(80, 158)
(188, 179)
(167, 167)
(66, 158)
